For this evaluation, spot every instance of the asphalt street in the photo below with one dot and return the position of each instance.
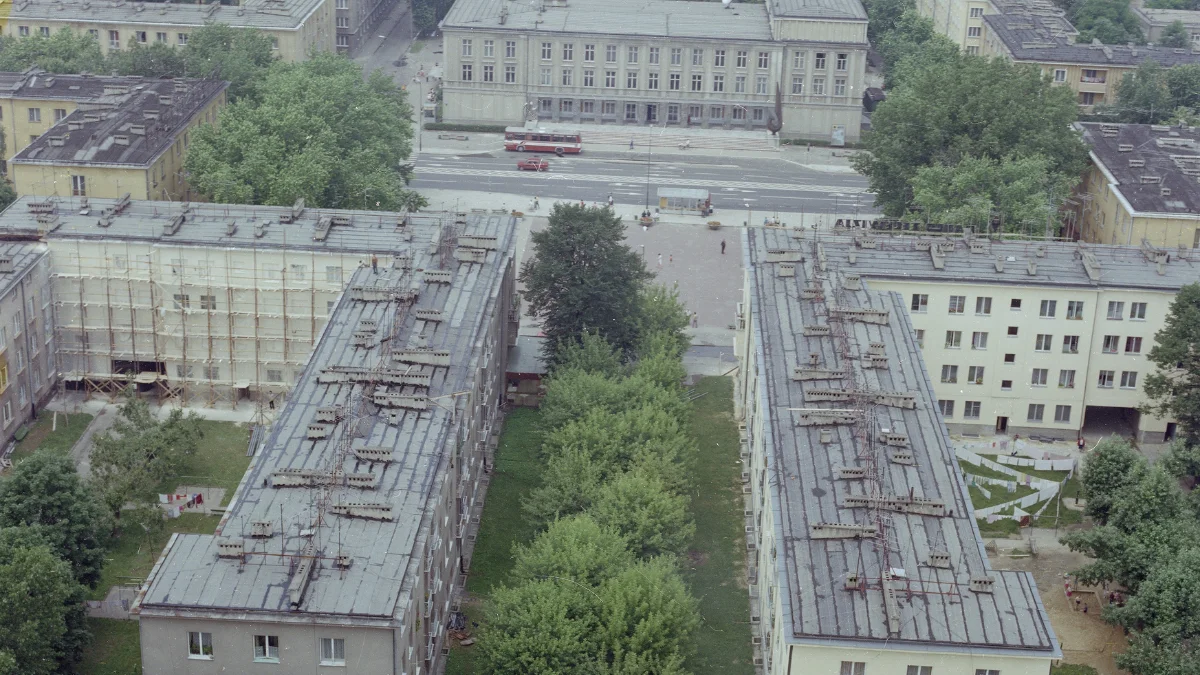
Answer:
(768, 185)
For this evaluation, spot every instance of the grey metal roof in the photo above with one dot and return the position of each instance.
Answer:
(191, 577)
(646, 18)
(1043, 39)
(135, 132)
(1059, 264)
(266, 14)
(933, 606)
(1161, 17)
(100, 90)
(1144, 159)
(525, 357)
(818, 9)
(23, 256)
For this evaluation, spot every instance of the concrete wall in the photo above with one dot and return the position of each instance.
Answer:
(1106, 219)
(814, 659)
(955, 21)
(27, 373)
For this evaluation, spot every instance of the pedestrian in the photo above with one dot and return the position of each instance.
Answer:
(695, 319)
(610, 200)
(1085, 608)
(631, 144)
(660, 261)
(1081, 444)
(374, 264)
(1077, 601)
(722, 247)
(671, 259)
(581, 203)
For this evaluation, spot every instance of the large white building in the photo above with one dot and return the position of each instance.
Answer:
(867, 558)
(659, 63)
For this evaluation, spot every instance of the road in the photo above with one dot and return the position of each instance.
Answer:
(769, 185)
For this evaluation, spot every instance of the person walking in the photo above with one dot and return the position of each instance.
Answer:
(610, 200)
(630, 143)
(374, 264)
(722, 247)
(695, 319)
(660, 261)
(671, 259)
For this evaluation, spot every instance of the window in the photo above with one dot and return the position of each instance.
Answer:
(739, 113)
(1014, 304)
(568, 51)
(589, 78)
(631, 111)
(976, 12)
(697, 82)
(1042, 343)
(974, 31)
(545, 105)
(343, 4)
(79, 186)
(673, 82)
(200, 645)
(274, 375)
(1048, 309)
(652, 57)
(921, 338)
(547, 50)
(510, 49)
(94, 33)
(719, 58)
(676, 55)
(1066, 379)
(839, 86)
(958, 303)
(1075, 310)
(208, 302)
(1106, 379)
(489, 48)
(212, 372)
(182, 301)
(1010, 358)
(798, 60)
(1036, 410)
(950, 374)
(947, 408)
(979, 340)
(820, 61)
(1039, 377)
(610, 79)
(717, 112)
(1115, 310)
(610, 53)
(182, 38)
(1070, 344)
(546, 77)
(333, 652)
(741, 58)
(764, 59)
(797, 84)
(1110, 343)
(510, 74)
(489, 72)
(1137, 311)
(589, 53)
(672, 112)
(760, 84)
(566, 106)
(608, 108)
(60, 114)
(114, 39)
(35, 114)
(975, 375)
(983, 306)
(818, 86)
(1133, 345)
(971, 412)
(587, 107)
(718, 83)
(1062, 413)
(467, 74)
(568, 76)
(266, 647)
(739, 84)
(1005, 385)
(920, 302)
(343, 22)
(1060, 75)
(953, 339)
(985, 671)
(333, 273)
(697, 57)
(1128, 379)
(23, 31)
(652, 80)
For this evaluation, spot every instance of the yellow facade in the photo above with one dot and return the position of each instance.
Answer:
(962, 22)
(1106, 218)
(26, 119)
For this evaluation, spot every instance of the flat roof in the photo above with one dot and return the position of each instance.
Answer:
(1155, 17)
(525, 357)
(101, 90)
(886, 588)
(643, 18)
(264, 14)
(134, 133)
(1156, 167)
(818, 9)
(382, 554)
(1042, 38)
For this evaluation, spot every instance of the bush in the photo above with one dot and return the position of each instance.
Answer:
(477, 128)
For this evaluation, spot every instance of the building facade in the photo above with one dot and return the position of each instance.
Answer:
(865, 555)
(296, 27)
(962, 22)
(1155, 21)
(1141, 186)
(137, 148)
(659, 63)
(27, 372)
(356, 19)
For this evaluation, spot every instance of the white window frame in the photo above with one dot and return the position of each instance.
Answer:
(202, 641)
(330, 648)
(266, 649)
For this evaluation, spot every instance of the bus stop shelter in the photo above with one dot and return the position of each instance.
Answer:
(693, 202)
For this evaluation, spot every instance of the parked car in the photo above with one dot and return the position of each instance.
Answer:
(533, 164)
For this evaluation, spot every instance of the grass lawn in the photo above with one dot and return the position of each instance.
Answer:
(1056, 476)
(517, 471)
(40, 437)
(999, 495)
(983, 471)
(1000, 528)
(416, 47)
(1073, 669)
(132, 556)
(114, 650)
(219, 461)
(715, 567)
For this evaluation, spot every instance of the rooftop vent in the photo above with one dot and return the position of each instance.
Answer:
(6, 265)
(1137, 163)
(231, 548)
(1150, 179)
(137, 129)
(58, 141)
(121, 139)
(173, 226)
(1124, 147)
(74, 125)
(260, 229)
(261, 529)
(165, 99)
(150, 114)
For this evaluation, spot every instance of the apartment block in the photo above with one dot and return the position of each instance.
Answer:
(27, 372)
(296, 27)
(356, 19)
(1154, 21)
(1142, 186)
(659, 63)
(865, 556)
(135, 148)
(960, 21)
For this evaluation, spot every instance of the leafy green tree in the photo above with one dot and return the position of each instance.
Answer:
(1183, 83)
(42, 630)
(1155, 498)
(653, 520)
(140, 451)
(8, 663)
(578, 548)
(658, 362)
(967, 106)
(318, 131)
(1149, 654)
(663, 318)
(541, 628)
(1143, 96)
(1167, 603)
(648, 618)
(1175, 35)
(1127, 558)
(63, 52)
(883, 15)
(1109, 21)
(584, 278)
(572, 395)
(911, 42)
(155, 60)
(1022, 192)
(243, 56)
(570, 482)
(45, 493)
(1109, 468)
(591, 354)
(1173, 389)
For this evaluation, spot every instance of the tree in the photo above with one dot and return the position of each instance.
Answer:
(1021, 191)
(1126, 558)
(590, 354)
(658, 362)
(243, 56)
(1183, 84)
(317, 132)
(583, 278)
(1175, 35)
(1109, 468)
(42, 628)
(911, 41)
(648, 618)
(639, 507)
(662, 317)
(156, 60)
(573, 394)
(1142, 96)
(45, 493)
(1167, 603)
(63, 52)
(1174, 387)
(1109, 21)
(140, 451)
(1152, 655)
(883, 15)
(578, 548)
(541, 628)
(967, 106)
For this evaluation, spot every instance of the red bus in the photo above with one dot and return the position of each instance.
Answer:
(558, 141)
